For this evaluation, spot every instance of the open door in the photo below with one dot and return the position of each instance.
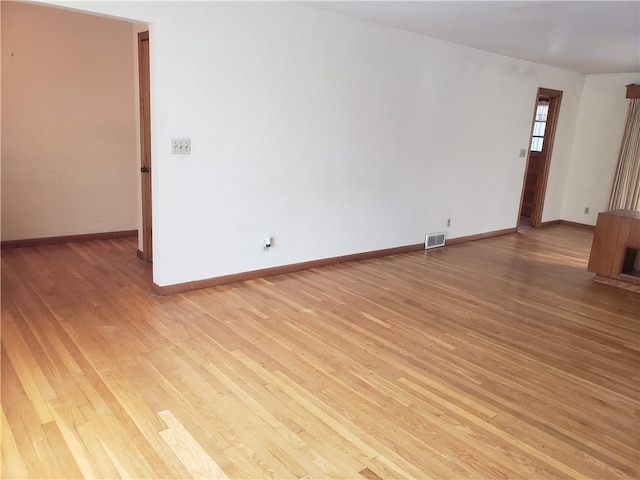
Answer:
(543, 129)
(145, 144)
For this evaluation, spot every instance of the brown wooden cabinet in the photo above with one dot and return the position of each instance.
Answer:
(615, 246)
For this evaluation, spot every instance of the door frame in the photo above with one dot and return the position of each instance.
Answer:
(145, 145)
(555, 99)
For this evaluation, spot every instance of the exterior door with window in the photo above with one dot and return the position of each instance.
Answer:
(534, 170)
(537, 172)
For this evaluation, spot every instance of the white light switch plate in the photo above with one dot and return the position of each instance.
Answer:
(181, 146)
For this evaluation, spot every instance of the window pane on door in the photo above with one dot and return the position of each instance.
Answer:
(538, 128)
(536, 144)
(541, 112)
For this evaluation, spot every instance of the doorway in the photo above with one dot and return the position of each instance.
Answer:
(543, 129)
(145, 145)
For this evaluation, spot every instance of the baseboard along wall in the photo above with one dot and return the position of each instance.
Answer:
(296, 267)
(36, 242)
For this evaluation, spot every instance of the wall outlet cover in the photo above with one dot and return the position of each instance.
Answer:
(181, 146)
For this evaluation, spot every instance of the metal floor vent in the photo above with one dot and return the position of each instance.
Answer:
(434, 240)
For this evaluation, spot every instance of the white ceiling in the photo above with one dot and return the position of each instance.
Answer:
(584, 36)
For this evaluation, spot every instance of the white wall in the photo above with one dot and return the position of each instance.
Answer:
(334, 136)
(69, 135)
(603, 111)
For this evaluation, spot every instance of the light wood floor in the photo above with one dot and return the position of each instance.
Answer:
(499, 358)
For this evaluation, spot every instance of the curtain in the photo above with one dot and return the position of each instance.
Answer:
(625, 193)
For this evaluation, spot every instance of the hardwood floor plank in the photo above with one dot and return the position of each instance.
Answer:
(499, 358)
(569, 451)
(63, 457)
(358, 438)
(20, 407)
(294, 449)
(98, 458)
(195, 459)
(31, 377)
(12, 463)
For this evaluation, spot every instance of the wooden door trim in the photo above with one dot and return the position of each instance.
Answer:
(555, 100)
(145, 144)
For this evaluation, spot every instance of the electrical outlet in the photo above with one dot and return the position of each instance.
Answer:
(448, 222)
(181, 146)
(266, 243)
(523, 152)
(586, 210)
